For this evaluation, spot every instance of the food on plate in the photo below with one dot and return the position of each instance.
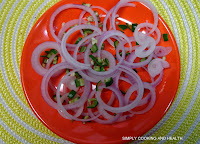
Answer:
(98, 72)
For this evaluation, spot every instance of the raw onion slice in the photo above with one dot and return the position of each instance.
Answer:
(156, 66)
(35, 59)
(64, 7)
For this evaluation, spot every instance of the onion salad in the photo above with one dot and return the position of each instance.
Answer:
(96, 77)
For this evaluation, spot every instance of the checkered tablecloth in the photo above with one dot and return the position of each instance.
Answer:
(18, 124)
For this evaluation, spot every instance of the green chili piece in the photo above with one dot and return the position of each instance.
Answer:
(71, 94)
(122, 27)
(128, 26)
(82, 49)
(102, 47)
(49, 55)
(78, 76)
(74, 100)
(116, 43)
(102, 69)
(67, 71)
(165, 37)
(97, 86)
(97, 68)
(55, 62)
(108, 81)
(92, 103)
(53, 51)
(78, 40)
(45, 61)
(94, 48)
(143, 59)
(82, 83)
(43, 56)
(134, 26)
(95, 60)
(77, 82)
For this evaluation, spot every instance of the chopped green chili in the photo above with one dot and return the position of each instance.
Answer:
(165, 37)
(92, 103)
(67, 71)
(71, 94)
(94, 48)
(53, 51)
(46, 52)
(55, 62)
(122, 27)
(97, 86)
(74, 100)
(102, 47)
(82, 83)
(106, 62)
(45, 61)
(78, 76)
(82, 49)
(134, 26)
(43, 56)
(108, 81)
(128, 26)
(102, 69)
(78, 40)
(143, 59)
(97, 68)
(77, 82)
(49, 55)
(116, 43)
(95, 60)
(87, 31)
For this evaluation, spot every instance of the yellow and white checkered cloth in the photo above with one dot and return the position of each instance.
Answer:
(18, 124)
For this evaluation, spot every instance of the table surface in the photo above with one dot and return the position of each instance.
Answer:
(18, 124)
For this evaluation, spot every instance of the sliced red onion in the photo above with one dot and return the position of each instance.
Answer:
(35, 59)
(82, 99)
(50, 60)
(156, 66)
(67, 25)
(64, 7)
(125, 64)
(65, 52)
(139, 64)
(152, 101)
(161, 51)
(119, 95)
(45, 81)
(112, 65)
(110, 119)
(81, 42)
(141, 52)
(70, 83)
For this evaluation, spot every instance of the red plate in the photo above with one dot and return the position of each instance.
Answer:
(94, 132)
